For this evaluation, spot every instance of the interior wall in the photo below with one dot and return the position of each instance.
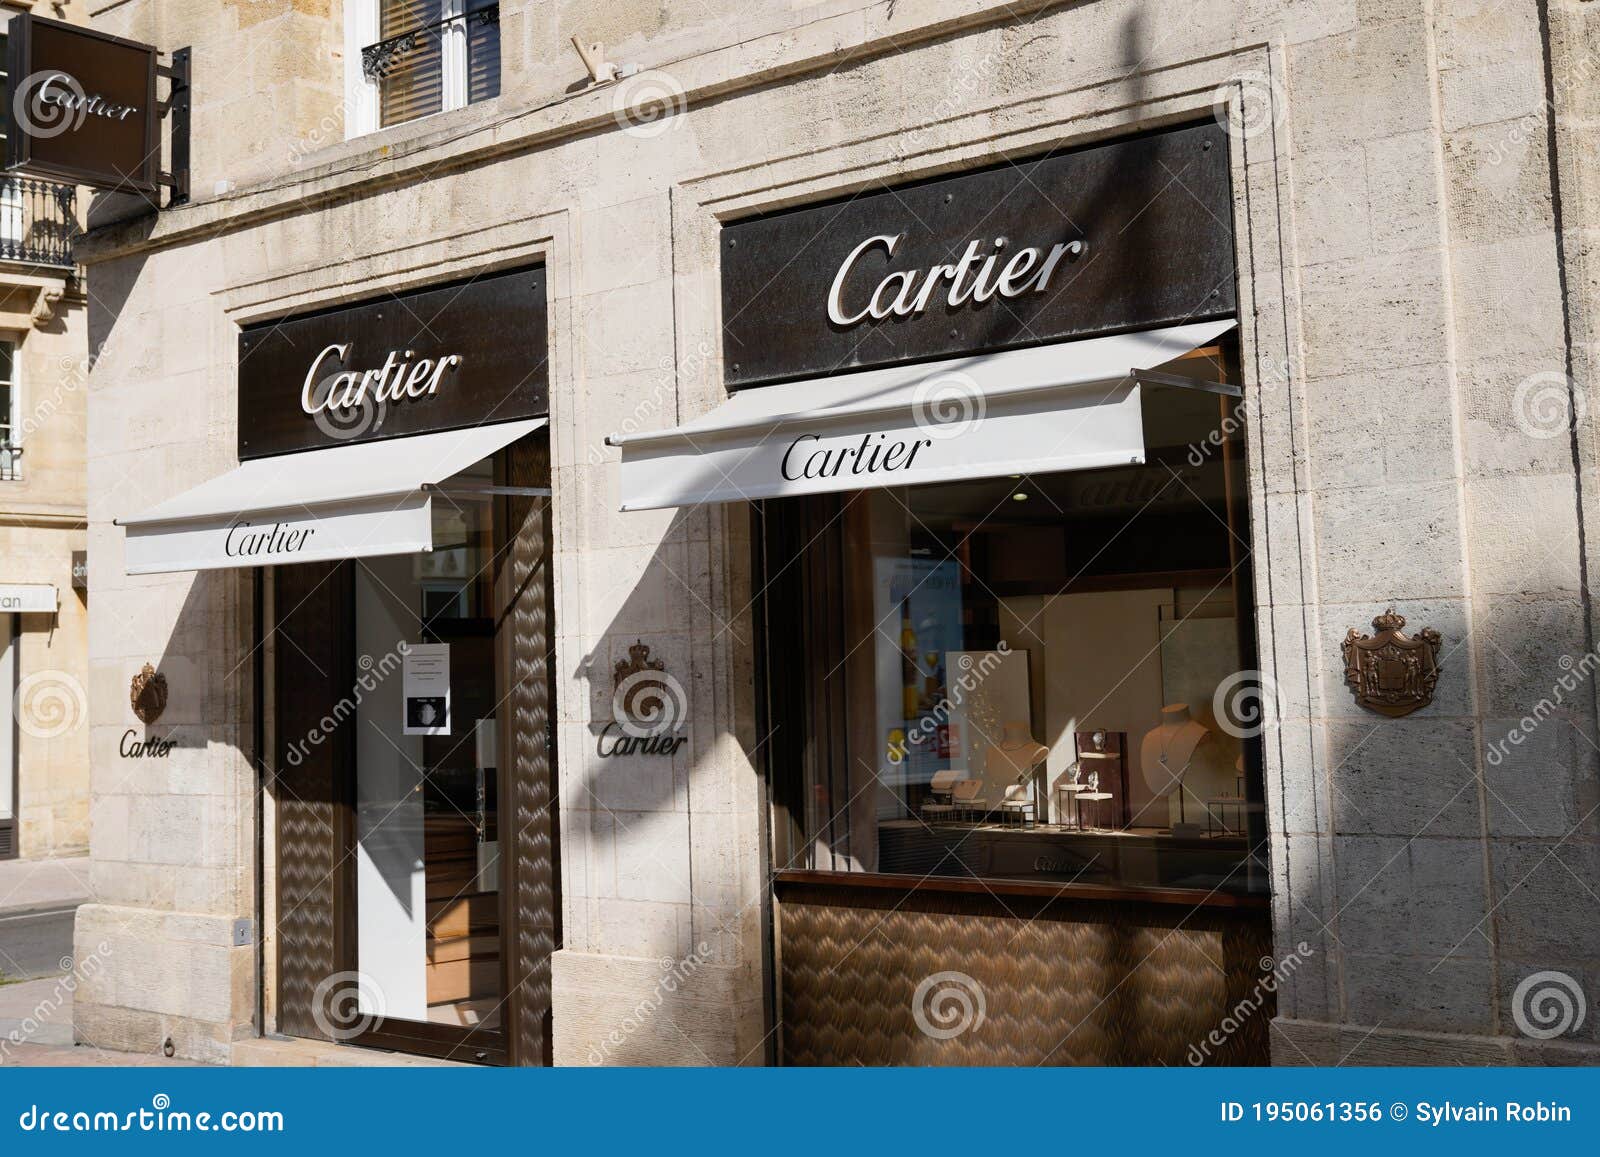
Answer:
(1066, 636)
(391, 905)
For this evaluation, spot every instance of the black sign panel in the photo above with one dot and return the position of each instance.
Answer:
(442, 358)
(1124, 235)
(82, 106)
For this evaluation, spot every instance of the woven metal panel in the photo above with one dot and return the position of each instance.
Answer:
(314, 611)
(1058, 983)
(529, 794)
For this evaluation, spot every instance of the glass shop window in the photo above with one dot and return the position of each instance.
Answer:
(1044, 678)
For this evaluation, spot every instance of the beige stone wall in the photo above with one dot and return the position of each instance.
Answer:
(42, 516)
(1401, 285)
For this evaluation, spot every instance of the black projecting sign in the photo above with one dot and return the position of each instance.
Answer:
(442, 358)
(82, 106)
(1124, 235)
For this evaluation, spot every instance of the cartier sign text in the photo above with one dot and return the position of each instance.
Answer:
(399, 377)
(907, 292)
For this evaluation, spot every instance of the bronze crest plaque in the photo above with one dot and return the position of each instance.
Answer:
(636, 680)
(148, 694)
(648, 708)
(1390, 672)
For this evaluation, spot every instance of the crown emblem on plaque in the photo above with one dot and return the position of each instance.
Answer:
(148, 694)
(1390, 672)
(645, 700)
(637, 662)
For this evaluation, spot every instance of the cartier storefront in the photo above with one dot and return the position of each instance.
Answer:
(392, 494)
(989, 428)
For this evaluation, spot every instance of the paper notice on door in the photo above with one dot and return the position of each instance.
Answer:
(426, 684)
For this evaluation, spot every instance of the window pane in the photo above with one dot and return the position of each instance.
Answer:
(397, 16)
(413, 81)
(1039, 673)
(427, 829)
(483, 52)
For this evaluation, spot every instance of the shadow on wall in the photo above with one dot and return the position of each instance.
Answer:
(644, 728)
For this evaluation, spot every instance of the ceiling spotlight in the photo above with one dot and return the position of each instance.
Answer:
(1019, 496)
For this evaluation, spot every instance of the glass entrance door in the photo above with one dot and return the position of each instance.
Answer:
(427, 847)
(411, 705)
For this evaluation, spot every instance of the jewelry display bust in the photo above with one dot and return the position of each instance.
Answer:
(1017, 752)
(1167, 751)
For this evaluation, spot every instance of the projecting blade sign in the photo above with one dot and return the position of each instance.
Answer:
(83, 108)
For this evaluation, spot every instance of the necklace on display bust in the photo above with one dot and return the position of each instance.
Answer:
(1168, 749)
(1018, 752)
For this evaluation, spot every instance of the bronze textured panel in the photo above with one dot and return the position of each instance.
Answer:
(1058, 982)
(314, 602)
(529, 799)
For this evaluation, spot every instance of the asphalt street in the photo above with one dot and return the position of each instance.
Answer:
(34, 943)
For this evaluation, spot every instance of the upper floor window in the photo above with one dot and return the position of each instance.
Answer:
(413, 58)
(10, 450)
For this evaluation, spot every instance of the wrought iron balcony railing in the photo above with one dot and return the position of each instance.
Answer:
(38, 220)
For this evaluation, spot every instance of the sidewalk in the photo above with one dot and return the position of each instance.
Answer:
(32, 885)
(36, 1011)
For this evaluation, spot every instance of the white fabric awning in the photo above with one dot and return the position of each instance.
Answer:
(1068, 406)
(356, 501)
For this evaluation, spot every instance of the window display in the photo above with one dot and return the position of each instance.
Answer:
(1024, 679)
